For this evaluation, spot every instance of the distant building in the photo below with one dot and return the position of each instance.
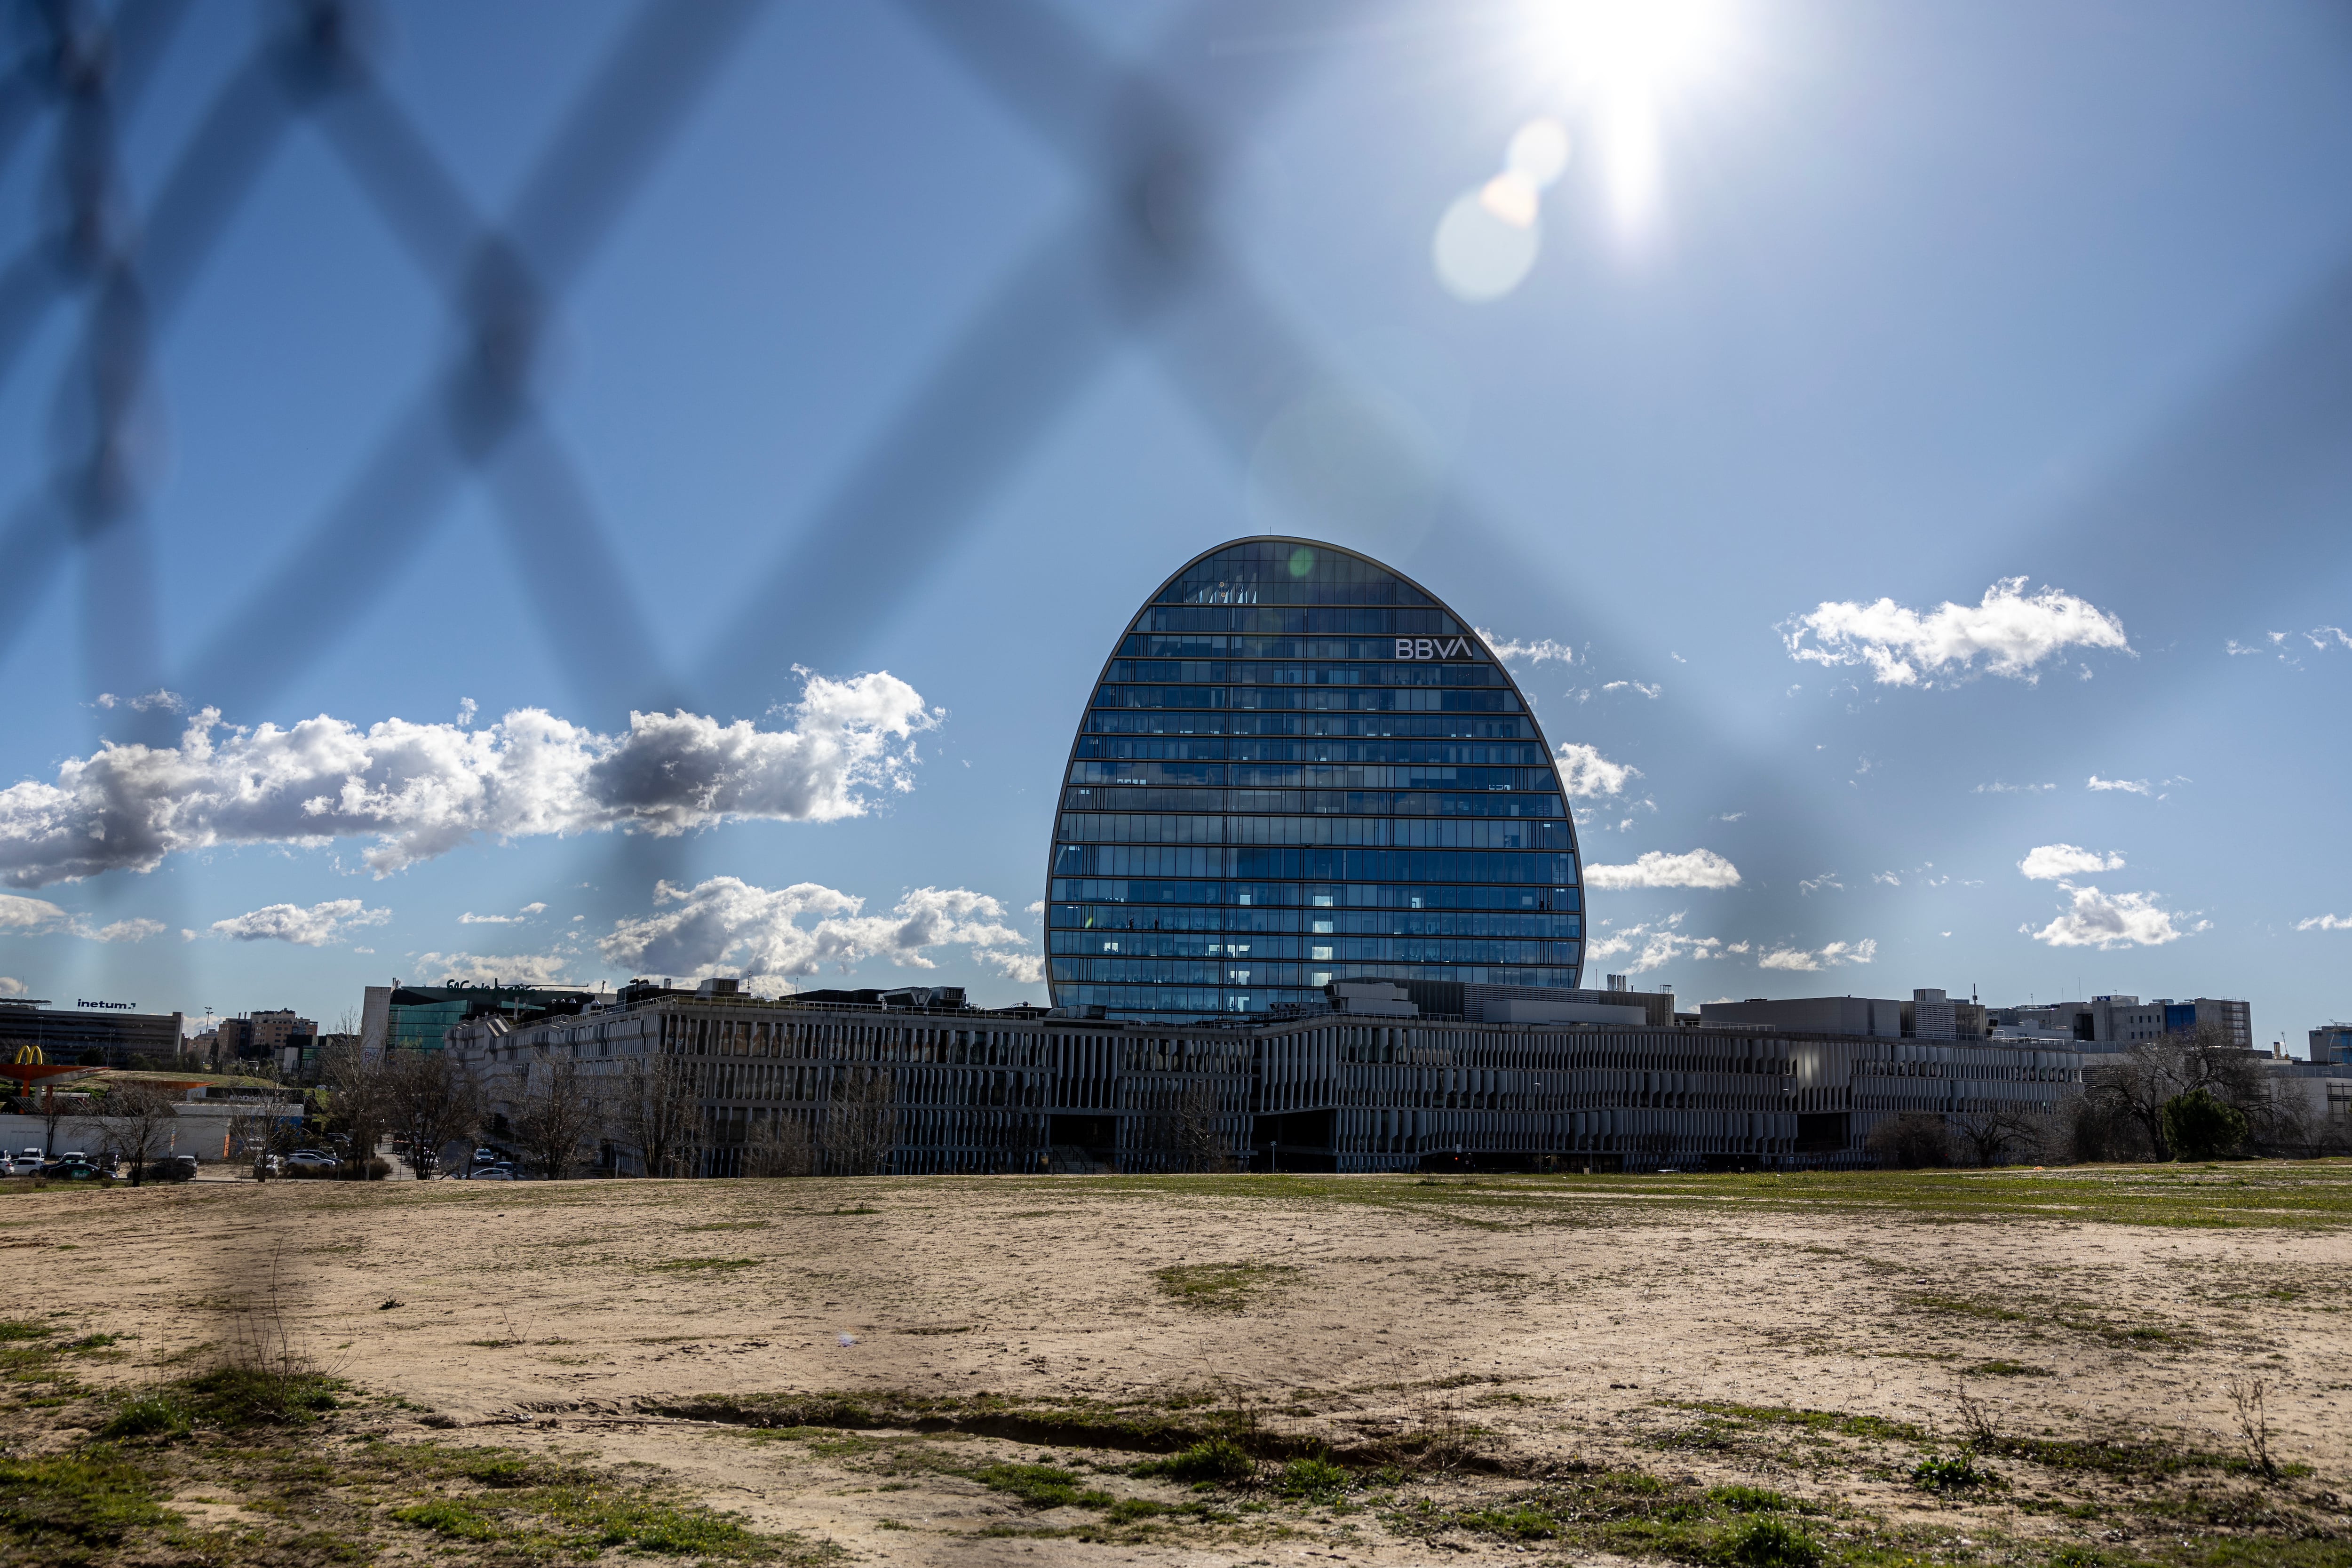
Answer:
(1869, 1017)
(265, 1036)
(415, 1018)
(2332, 1044)
(118, 1035)
(2128, 1020)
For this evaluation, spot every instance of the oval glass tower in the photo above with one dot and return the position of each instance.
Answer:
(1299, 767)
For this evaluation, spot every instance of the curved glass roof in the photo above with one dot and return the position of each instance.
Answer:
(1299, 767)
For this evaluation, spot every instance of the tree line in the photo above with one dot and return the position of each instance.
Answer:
(2190, 1095)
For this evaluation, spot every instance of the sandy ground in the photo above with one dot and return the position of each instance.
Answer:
(545, 1314)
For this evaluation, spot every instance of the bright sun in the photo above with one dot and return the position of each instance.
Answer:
(1620, 61)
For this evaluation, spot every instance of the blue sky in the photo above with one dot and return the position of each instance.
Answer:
(2031, 322)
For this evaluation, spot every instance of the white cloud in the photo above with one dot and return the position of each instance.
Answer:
(466, 711)
(2325, 922)
(2112, 920)
(1816, 884)
(1653, 946)
(21, 916)
(313, 927)
(1996, 788)
(1650, 691)
(11, 986)
(1731, 816)
(510, 969)
(2328, 637)
(1828, 957)
(1655, 869)
(2012, 630)
(28, 917)
(1533, 652)
(470, 919)
(728, 925)
(2051, 862)
(1586, 772)
(2129, 786)
(1889, 878)
(422, 789)
(167, 702)
(534, 909)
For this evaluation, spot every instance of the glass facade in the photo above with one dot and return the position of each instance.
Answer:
(1299, 767)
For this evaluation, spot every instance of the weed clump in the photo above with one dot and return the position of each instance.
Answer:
(1748, 1500)
(149, 1415)
(1039, 1486)
(1316, 1479)
(1937, 1474)
(1770, 1543)
(1214, 1460)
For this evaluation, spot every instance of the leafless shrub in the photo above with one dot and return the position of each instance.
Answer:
(779, 1145)
(1910, 1142)
(1979, 1422)
(2246, 1397)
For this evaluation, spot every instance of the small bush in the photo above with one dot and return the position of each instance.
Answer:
(152, 1415)
(1748, 1500)
(15, 1331)
(1935, 1474)
(1217, 1460)
(1769, 1543)
(1312, 1480)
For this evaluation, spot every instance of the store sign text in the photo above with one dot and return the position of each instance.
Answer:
(1436, 647)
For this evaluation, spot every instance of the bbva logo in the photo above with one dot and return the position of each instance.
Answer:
(1436, 647)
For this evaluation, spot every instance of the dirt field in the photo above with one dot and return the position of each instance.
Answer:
(1237, 1370)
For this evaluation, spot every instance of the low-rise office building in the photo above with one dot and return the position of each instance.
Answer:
(1369, 1082)
(2121, 1021)
(118, 1036)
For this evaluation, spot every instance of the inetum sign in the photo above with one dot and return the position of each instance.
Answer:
(1436, 647)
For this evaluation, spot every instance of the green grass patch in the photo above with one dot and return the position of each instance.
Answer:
(1770, 1543)
(62, 1508)
(1220, 1287)
(1937, 1474)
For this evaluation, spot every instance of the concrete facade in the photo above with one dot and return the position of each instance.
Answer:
(978, 1091)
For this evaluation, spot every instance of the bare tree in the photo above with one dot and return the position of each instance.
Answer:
(657, 1107)
(2142, 1081)
(432, 1101)
(134, 1124)
(861, 1122)
(779, 1145)
(1910, 1141)
(1992, 1132)
(359, 1098)
(1184, 1130)
(52, 1111)
(558, 1110)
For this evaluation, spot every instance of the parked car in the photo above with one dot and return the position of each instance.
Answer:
(173, 1168)
(493, 1174)
(319, 1157)
(31, 1157)
(70, 1169)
